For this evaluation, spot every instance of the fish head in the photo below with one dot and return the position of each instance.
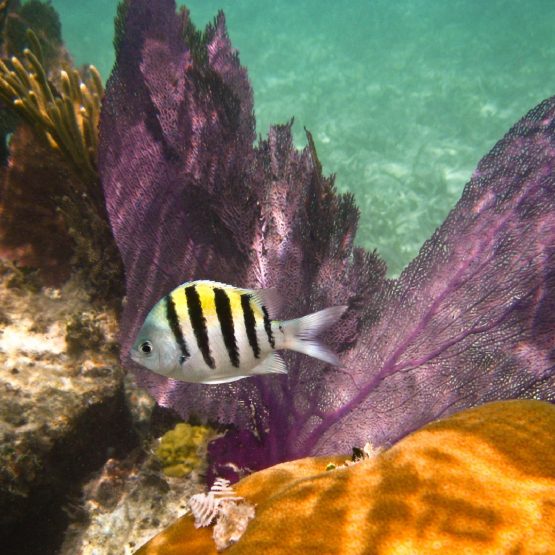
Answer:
(155, 348)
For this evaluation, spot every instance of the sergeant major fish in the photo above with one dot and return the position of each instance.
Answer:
(209, 332)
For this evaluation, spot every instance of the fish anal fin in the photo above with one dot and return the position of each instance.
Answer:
(272, 364)
(217, 381)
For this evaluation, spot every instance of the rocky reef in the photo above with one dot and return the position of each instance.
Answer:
(77, 437)
(61, 413)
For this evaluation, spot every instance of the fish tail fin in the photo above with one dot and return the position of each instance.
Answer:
(300, 334)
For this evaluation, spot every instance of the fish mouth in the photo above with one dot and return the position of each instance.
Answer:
(134, 355)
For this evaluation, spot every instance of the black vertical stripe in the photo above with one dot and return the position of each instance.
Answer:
(173, 320)
(250, 323)
(223, 310)
(198, 323)
(268, 327)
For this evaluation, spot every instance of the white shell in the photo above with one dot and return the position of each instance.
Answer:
(205, 506)
(232, 521)
(221, 505)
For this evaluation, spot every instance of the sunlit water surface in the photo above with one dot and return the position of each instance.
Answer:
(403, 97)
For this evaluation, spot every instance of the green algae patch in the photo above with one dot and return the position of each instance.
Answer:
(183, 449)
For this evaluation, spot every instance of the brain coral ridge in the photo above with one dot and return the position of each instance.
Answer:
(481, 481)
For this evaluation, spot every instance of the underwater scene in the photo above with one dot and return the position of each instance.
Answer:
(277, 278)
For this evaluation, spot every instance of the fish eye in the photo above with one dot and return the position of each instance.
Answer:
(146, 347)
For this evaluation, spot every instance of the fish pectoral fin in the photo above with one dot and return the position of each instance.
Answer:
(272, 364)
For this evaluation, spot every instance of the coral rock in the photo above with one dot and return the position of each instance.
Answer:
(60, 415)
(481, 481)
(31, 231)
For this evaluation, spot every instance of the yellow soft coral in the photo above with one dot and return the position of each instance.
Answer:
(182, 449)
(67, 118)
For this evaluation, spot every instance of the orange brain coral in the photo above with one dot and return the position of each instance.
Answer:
(481, 481)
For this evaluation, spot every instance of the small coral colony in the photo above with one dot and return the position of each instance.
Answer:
(159, 191)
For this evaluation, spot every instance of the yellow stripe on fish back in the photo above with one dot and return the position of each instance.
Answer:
(206, 294)
(180, 301)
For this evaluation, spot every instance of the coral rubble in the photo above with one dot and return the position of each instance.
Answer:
(479, 482)
(127, 502)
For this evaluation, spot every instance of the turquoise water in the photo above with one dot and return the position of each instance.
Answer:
(403, 98)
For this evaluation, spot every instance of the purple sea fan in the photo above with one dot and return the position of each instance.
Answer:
(189, 197)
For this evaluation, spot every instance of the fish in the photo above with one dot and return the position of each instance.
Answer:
(209, 332)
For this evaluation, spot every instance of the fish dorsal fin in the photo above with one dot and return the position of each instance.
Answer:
(269, 298)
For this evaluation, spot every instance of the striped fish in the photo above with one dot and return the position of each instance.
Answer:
(209, 332)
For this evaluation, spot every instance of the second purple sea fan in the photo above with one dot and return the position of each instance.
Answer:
(470, 320)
